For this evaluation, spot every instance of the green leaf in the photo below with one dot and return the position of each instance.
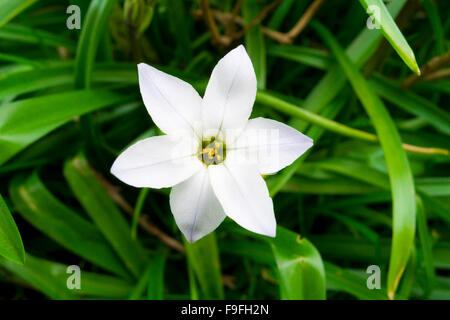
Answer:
(255, 42)
(426, 247)
(152, 279)
(23, 34)
(41, 275)
(320, 99)
(157, 265)
(91, 32)
(180, 28)
(402, 185)
(308, 56)
(137, 210)
(203, 256)
(300, 266)
(45, 212)
(359, 51)
(391, 32)
(60, 74)
(413, 103)
(11, 8)
(270, 100)
(11, 246)
(50, 278)
(436, 25)
(353, 283)
(25, 121)
(104, 213)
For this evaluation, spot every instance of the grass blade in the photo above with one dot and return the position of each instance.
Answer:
(401, 180)
(11, 8)
(255, 42)
(156, 282)
(45, 212)
(392, 33)
(91, 33)
(426, 247)
(412, 103)
(203, 256)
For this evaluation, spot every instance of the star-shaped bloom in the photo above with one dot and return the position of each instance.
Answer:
(212, 155)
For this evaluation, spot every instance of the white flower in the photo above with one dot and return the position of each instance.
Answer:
(212, 154)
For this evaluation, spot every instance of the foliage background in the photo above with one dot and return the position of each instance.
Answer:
(69, 104)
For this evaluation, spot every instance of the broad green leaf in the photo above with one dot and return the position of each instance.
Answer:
(104, 213)
(203, 256)
(402, 185)
(25, 121)
(40, 208)
(255, 42)
(336, 277)
(11, 246)
(391, 32)
(300, 267)
(11, 8)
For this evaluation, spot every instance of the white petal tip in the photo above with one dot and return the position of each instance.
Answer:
(271, 234)
(194, 238)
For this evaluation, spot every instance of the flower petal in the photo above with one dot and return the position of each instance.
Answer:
(244, 197)
(269, 144)
(230, 93)
(173, 104)
(195, 207)
(157, 162)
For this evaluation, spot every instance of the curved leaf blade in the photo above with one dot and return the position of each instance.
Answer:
(11, 246)
(302, 274)
(11, 8)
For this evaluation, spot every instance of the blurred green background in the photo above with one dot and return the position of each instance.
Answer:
(373, 190)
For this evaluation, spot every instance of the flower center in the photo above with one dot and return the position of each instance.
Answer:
(212, 151)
